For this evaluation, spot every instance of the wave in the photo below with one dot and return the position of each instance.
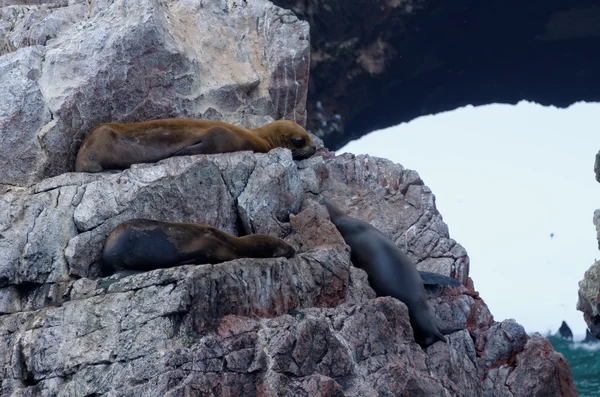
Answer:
(584, 360)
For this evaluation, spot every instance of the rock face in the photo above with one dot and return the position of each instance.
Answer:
(589, 298)
(305, 326)
(597, 171)
(241, 61)
(597, 224)
(589, 287)
(379, 63)
(309, 325)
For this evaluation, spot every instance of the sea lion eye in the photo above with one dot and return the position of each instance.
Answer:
(298, 142)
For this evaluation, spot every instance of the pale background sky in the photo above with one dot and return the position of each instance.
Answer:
(505, 177)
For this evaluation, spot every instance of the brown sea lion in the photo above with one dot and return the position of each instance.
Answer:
(144, 244)
(116, 146)
(390, 272)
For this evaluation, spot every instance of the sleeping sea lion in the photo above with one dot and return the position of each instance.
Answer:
(116, 146)
(144, 244)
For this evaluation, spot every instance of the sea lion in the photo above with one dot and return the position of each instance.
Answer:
(116, 146)
(144, 244)
(565, 331)
(390, 272)
(434, 279)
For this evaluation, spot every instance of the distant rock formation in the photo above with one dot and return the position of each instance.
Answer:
(565, 332)
(589, 338)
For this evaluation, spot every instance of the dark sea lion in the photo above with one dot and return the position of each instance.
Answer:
(116, 146)
(565, 332)
(390, 272)
(144, 244)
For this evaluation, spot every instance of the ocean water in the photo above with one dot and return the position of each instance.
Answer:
(584, 359)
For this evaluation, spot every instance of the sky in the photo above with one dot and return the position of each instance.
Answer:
(505, 178)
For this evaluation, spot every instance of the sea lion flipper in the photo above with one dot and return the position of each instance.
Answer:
(198, 148)
(430, 278)
(448, 331)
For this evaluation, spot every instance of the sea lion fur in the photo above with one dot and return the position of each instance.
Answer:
(145, 244)
(116, 146)
(390, 272)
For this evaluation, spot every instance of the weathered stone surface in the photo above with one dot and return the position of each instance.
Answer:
(589, 298)
(535, 371)
(72, 65)
(589, 287)
(32, 24)
(597, 224)
(371, 189)
(245, 327)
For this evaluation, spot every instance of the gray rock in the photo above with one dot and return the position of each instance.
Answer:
(597, 224)
(531, 372)
(301, 324)
(589, 298)
(589, 287)
(70, 69)
(597, 166)
(305, 326)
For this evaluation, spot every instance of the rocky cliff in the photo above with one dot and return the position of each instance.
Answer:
(305, 326)
(589, 287)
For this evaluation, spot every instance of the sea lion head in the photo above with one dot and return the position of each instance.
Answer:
(87, 160)
(288, 134)
(265, 246)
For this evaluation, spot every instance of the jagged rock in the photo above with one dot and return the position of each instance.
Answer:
(597, 224)
(55, 229)
(589, 287)
(537, 370)
(73, 66)
(243, 327)
(589, 298)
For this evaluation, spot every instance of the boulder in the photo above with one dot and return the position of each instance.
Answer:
(73, 65)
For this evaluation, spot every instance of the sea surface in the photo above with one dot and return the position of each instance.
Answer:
(584, 359)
